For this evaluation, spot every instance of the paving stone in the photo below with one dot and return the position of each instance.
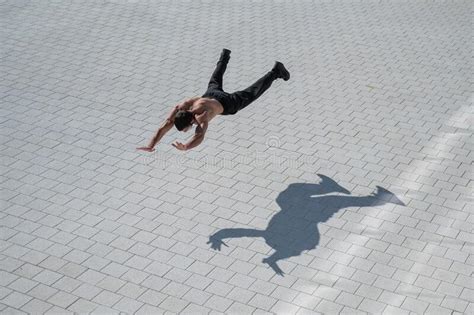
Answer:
(42, 292)
(240, 295)
(22, 285)
(16, 299)
(83, 306)
(195, 309)
(326, 306)
(148, 309)
(36, 306)
(47, 277)
(262, 301)
(128, 305)
(349, 299)
(174, 304)
(63, 299)
(106, 298)
(87, 291)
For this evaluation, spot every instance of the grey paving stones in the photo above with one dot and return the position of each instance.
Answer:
(347, 189)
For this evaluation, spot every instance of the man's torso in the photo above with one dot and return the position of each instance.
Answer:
(211, 106)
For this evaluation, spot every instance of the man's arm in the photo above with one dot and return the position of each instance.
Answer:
(165, 127)
(198, 135)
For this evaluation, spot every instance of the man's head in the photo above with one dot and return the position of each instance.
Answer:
(183, 120)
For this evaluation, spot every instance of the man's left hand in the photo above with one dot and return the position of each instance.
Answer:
(147, 149)
(179, 146)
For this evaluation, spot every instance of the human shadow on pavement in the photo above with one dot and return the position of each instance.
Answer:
(295, 228)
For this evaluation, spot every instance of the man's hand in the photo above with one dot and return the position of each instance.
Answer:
(179, 146)
(147, 149)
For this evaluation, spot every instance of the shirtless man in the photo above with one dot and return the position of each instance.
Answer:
(200, 111)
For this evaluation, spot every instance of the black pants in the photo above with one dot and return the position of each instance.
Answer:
(233, 102)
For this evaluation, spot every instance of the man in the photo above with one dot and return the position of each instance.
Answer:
(200, 111)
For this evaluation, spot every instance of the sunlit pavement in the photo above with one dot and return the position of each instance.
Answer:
(346, 189)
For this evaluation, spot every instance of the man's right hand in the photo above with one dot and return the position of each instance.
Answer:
(147, 149)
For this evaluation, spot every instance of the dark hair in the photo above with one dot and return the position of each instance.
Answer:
(183, 119)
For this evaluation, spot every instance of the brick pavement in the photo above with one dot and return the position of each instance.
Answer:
(278, 211)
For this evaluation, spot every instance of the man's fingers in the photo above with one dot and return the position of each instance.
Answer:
(146, 149)
(178, 145)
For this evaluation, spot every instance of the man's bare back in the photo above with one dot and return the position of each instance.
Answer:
(211, 106)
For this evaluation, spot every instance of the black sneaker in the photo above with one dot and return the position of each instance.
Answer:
(225, 54)
(281, 71)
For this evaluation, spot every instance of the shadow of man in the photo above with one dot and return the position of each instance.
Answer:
(295, 228)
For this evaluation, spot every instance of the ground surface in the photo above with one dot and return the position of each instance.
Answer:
(380, 95)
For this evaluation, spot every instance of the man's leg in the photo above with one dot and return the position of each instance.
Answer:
(216, 78)
(243, 98)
